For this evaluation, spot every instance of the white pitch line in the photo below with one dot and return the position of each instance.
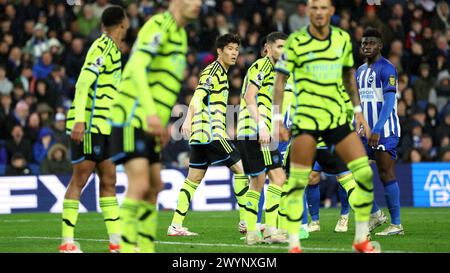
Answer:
(215, 245)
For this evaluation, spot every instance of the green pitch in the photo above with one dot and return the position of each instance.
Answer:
(426, 230)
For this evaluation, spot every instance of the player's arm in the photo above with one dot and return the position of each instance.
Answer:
(255, 78)
(279, 86)
(195, 105)
(88, 75)
(351, 87)
(147, 46)
(389, 80)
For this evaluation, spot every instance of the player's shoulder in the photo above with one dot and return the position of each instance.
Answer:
(361, 68)
(260, 64)
(340, 33)
(161, 21)
(299, 36)
(385, 63)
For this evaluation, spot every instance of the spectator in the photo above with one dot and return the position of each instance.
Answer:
(298, 19)
(18, 116)
(6, 85)
(44, 143)
(18, 166)
(426, 145)
(59, 130)
(279, 21)
(440, 94)
(14, 66)
(73, 60)
(44, 95)
(444, 129)
(423, 85)
(33, 127)
(38, 44)
(88, 22)
(431, 121)
(99, 6)
(18, 144)
(57, 161)
(44, 67)
(445, 154)
(414, 155)
(45, 113)
(5, 107)
(441, 21)
(61, 19)
(26, 78)
(58, 84)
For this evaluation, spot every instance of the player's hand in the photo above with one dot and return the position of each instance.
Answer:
(283, 133)
(154, 125)
(361, 125)
(264, 136)
(186, 129)
(164, 138)
(374, 139)
(77, 132)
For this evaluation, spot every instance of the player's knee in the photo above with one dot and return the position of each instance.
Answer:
(361, 169)
(386, 175)
(314, 178)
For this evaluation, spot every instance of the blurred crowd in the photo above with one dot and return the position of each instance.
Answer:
(43, 44)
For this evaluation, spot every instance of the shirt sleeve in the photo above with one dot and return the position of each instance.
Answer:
(205, 84)
(148, 43)
(348, 52)
(389, 79)
(287, 59)
(256, 75)
(94, 64)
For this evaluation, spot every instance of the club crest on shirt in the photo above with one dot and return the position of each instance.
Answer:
(392, 80)
(208, 82)
(154, 44)
(260, 77)
(99, 61)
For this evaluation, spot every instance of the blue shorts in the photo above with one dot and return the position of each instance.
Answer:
(388, 144)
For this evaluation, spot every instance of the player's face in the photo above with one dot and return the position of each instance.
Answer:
(320, 12)
(229, 54)
(370, 46)
(276, 49)
(190, 9)
(124, 26)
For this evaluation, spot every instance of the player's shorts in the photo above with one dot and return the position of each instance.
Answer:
(388, 144)
(257, 159)
(128, 143)
(329, 163)
(216, 152)
(330, 136)
(94, 147)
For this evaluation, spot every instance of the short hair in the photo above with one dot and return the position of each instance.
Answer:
(113, 16)
(371, 32)
(226, 39)
(273, 36)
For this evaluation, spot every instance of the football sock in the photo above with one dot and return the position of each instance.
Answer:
(251, 207)
(282, 220)
(240, 186)
(147, 225)
(392, 195)
(273, 196)
(111, 212)
(305, 211)
(69, 219)
(129, 225)
(313, 196)
(184, 200)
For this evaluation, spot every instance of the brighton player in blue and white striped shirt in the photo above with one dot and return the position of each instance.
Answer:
(377, 85)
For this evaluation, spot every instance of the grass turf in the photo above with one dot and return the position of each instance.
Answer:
(426, 230)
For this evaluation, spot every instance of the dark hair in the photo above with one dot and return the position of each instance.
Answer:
(112, 16)
(273, 36)
(226, 39)
(372, 32)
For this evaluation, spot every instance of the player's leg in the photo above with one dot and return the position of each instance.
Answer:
(313, 197)
(81, 172)
(195, 176)
(277, 178)
(148, 212)
(346, 186)
(302, 155)
(137, 170)
(304, 233)
(240, 188)
(386, 170)
(352, 152)
(108, 202)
